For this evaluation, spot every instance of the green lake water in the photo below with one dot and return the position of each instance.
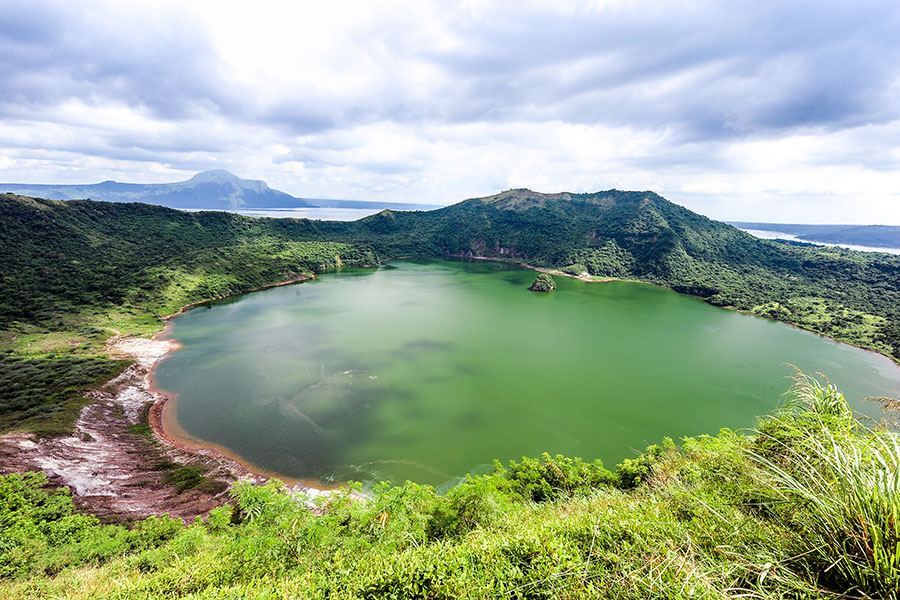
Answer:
(428, 370)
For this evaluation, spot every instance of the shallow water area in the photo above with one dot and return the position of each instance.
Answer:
(428, 370)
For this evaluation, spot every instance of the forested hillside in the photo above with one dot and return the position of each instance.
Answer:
(73, 257)
(122, 265)
(803, 509)
(852, 296)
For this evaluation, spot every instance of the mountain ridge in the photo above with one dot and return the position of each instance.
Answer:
(216, 189)
(851, 296)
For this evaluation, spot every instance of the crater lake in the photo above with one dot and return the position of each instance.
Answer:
(429, 370)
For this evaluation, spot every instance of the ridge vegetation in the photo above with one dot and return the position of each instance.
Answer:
(132, 261)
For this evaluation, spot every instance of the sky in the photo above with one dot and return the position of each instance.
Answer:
(778, 111)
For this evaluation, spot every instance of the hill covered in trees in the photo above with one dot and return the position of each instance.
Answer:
(72, 257)
(852, 296)
(806, 507)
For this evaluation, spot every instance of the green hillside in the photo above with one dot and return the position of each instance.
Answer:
(76, 272)
(74, 257)
(805, 508)
(852, 296)
(81, 263)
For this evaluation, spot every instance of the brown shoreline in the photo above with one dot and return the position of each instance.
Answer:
(168, 431)
(117, 500)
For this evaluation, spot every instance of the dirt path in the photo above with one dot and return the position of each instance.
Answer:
(108, 462)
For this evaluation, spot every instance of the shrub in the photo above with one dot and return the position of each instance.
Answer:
(843, 480)
(551, 478)
(543, 283)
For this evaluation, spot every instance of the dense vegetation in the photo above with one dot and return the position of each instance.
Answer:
(805, 508)
(76, 272)
(78, 263)
(121, 264)
(852, 296)
(543, 283)
(44, 394)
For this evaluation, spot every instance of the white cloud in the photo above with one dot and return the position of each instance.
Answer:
(767, 112)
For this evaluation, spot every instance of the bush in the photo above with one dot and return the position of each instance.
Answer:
(843, 481)
(543, 283)
(632, 472)
(550, 478)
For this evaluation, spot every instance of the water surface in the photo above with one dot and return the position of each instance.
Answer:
(429, 370)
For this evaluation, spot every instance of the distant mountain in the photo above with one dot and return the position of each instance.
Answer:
(876, 236)
(211, 190)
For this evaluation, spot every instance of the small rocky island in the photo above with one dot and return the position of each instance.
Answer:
(543, 283)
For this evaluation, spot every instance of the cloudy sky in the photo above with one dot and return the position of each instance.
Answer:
(766, 110)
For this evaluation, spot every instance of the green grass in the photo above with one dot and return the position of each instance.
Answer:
(792, 512)
(184, 477)
(44, 394)
(844, 479)
(805, 509)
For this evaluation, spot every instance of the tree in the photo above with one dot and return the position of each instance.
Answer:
(543, 283)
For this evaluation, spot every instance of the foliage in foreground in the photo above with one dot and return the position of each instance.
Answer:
(805, 509)
(843, 481)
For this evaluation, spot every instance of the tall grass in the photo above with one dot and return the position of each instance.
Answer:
(843, 481)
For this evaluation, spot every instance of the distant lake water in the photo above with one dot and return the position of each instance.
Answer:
(765, 234)
(323, 214)
(428, 370)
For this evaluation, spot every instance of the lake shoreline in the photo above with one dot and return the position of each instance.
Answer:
(593, 279)
(108, 467)
(187, 375)
(107, 460)
(225, 466)
(167, 429)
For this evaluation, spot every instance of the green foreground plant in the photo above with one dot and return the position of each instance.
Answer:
(841, 481)
(805, 509)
